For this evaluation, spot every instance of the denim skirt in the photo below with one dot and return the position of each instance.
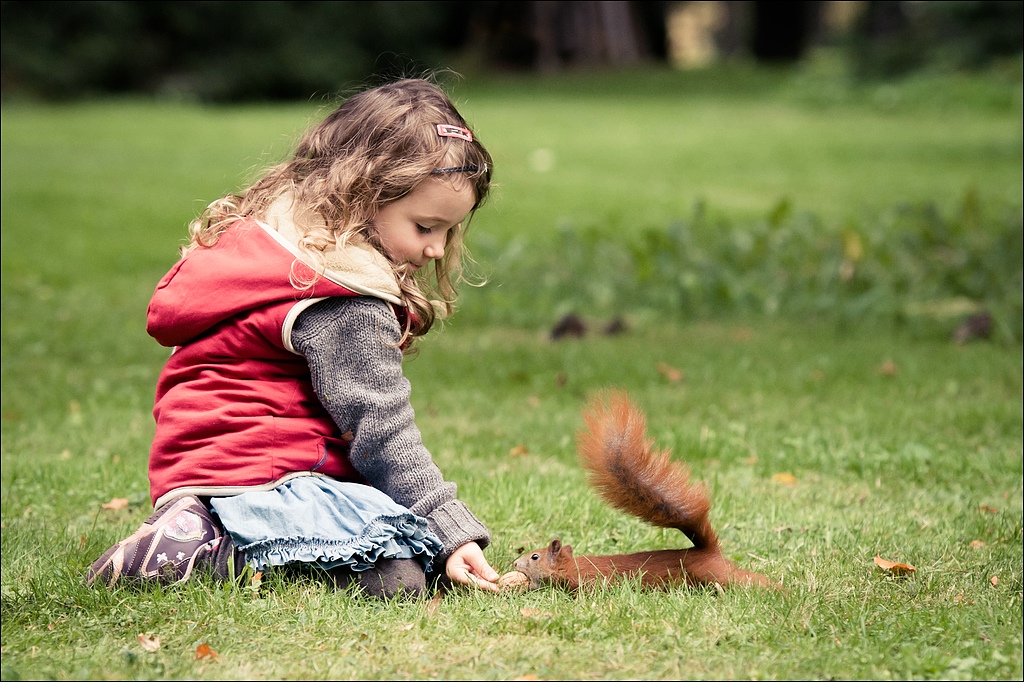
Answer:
(328, 523)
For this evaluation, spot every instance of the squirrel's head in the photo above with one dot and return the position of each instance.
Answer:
(543, 565)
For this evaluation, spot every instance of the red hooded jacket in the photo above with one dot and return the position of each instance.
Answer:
(235, 408)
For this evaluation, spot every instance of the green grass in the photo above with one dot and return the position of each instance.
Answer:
(912, 466)
(901, 445)
(739, 142)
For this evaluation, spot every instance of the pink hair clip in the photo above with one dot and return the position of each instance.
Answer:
(445, 130)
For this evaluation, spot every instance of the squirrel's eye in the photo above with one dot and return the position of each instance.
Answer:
(535, 557)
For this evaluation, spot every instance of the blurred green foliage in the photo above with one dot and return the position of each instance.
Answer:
(895, 38)
(910, 266)
(219, 51)
(234, 51)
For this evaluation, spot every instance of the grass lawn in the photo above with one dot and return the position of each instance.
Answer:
(570, 153)
(823, 446)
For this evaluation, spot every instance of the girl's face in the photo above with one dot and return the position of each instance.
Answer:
(414, 229)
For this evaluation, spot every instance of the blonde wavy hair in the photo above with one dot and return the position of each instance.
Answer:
(375, 148)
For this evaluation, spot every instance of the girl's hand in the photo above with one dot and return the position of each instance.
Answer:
(467, 566)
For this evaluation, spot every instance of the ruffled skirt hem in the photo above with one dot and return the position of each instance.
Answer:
(386, 537)
(324, 522)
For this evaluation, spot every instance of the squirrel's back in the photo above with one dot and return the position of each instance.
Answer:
(634, 477)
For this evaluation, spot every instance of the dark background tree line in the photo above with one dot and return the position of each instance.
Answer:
(236, 51)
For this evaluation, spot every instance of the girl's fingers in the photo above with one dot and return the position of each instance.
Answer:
(480, 583)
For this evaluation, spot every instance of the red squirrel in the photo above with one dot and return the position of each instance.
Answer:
(644, 482)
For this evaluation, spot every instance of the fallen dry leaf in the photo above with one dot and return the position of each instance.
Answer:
(976, 544)
(742, 334)
(148, 643)
(785, 478)
(434, 605)
(994, 580)
(616, 325)
(116, 503)
(533, 613)
(888, 368)
(203, 651)
(894, 567)
(570, 325)
(977, 326)
(987, 509)
(255, 583)
(783, 529)
(519, 451)
(669, 372)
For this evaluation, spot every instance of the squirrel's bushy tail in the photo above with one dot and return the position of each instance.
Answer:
(632, 476)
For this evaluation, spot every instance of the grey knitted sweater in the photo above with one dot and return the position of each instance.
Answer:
(351, 345)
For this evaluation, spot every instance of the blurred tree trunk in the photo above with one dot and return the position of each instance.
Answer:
(782, 31)
(553, 34)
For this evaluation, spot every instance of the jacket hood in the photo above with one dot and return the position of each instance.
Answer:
(253, 265)
(355, 265)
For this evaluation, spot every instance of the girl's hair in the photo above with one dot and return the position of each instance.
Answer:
(372, 150)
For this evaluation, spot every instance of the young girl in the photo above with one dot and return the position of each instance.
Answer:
(284, 431)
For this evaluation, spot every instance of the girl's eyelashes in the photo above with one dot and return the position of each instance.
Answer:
(422, 230)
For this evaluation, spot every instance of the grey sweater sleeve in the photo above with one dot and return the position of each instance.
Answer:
(356, 366)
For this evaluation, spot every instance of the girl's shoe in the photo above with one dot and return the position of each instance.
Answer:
(179, 537)
(391, 578)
